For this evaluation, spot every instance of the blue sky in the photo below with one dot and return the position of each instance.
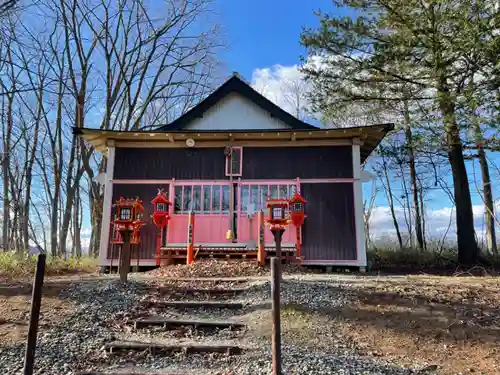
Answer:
(263, 46)
(262, 33)
(263, 37)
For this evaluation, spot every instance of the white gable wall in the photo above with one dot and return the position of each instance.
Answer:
(236, 112)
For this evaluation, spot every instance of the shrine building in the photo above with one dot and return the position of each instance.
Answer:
(223, 160)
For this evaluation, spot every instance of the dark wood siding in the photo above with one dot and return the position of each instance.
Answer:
(209, 163)
(302, 162)
(146, 192)
(167, 163)
(329, 229)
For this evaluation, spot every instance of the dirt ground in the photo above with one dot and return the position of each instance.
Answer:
(452, 324)
(15, 304)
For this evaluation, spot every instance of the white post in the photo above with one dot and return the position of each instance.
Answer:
(107, 205)
(358, 203)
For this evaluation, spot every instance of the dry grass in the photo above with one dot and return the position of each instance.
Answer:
(441, 321)
(15, 266)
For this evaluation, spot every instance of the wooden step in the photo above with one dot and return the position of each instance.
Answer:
(161, 349)
(128, 373)
(196, 324)
(197, 304)
(198, 291)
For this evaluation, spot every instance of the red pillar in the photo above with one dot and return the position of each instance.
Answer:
(299, 245)
(190, 242)
(261, 252)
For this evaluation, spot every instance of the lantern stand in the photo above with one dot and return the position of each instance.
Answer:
(161, 217)
(125, 254)
(127, 225)
(278, 210)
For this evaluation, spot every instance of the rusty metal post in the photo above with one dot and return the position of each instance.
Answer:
(125, 255)
(36, 301)
(276, 336)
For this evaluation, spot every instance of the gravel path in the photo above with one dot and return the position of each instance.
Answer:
(76, 343)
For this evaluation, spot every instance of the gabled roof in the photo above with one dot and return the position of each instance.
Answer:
(236, 85)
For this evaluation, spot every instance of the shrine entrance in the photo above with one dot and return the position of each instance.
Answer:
(210, 201)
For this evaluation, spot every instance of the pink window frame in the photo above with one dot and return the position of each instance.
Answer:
(228, 170)
(202, 184)
(259, 183)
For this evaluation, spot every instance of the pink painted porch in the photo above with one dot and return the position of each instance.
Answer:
(210, 202)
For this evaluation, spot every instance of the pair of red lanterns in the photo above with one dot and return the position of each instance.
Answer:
(283, 212)
(129, 216)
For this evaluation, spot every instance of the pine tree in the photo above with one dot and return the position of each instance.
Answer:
(397, 51)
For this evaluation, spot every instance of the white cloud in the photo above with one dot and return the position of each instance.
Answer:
(284, 85)
(438, 223)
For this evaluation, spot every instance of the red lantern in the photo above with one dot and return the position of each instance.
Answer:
(161, 216)
(278, 213)
(128, 217)
(296, 206)
(161, 206)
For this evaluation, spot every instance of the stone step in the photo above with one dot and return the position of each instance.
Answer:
(196, 324)
(166, 349)
(197, 304)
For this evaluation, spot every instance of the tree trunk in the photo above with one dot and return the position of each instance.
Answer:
(422, 211)
(77, 243)
(413, 177)
(489, 211)
(54, 229)
(468, 250)
(489, 207)
(391, 206)
(7, 134)
(6, 200)
(96, 204)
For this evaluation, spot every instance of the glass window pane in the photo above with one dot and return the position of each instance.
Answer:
(206, 199)
(225, 199)
(216, 199)
(186, 199)
(178, 200)
(283, 192)
(291, 191)
(263, 195)
(197, 198)
(274, 192)
(254, 198)
(244, 199)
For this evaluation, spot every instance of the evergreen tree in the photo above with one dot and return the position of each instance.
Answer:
(398, 51)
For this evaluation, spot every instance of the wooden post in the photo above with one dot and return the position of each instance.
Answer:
(36, 301)
(276, 335)
(125, 255)
(278, 234)
(261, 254)
(190, 241)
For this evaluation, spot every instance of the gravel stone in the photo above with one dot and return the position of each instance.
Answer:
(76, 343)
